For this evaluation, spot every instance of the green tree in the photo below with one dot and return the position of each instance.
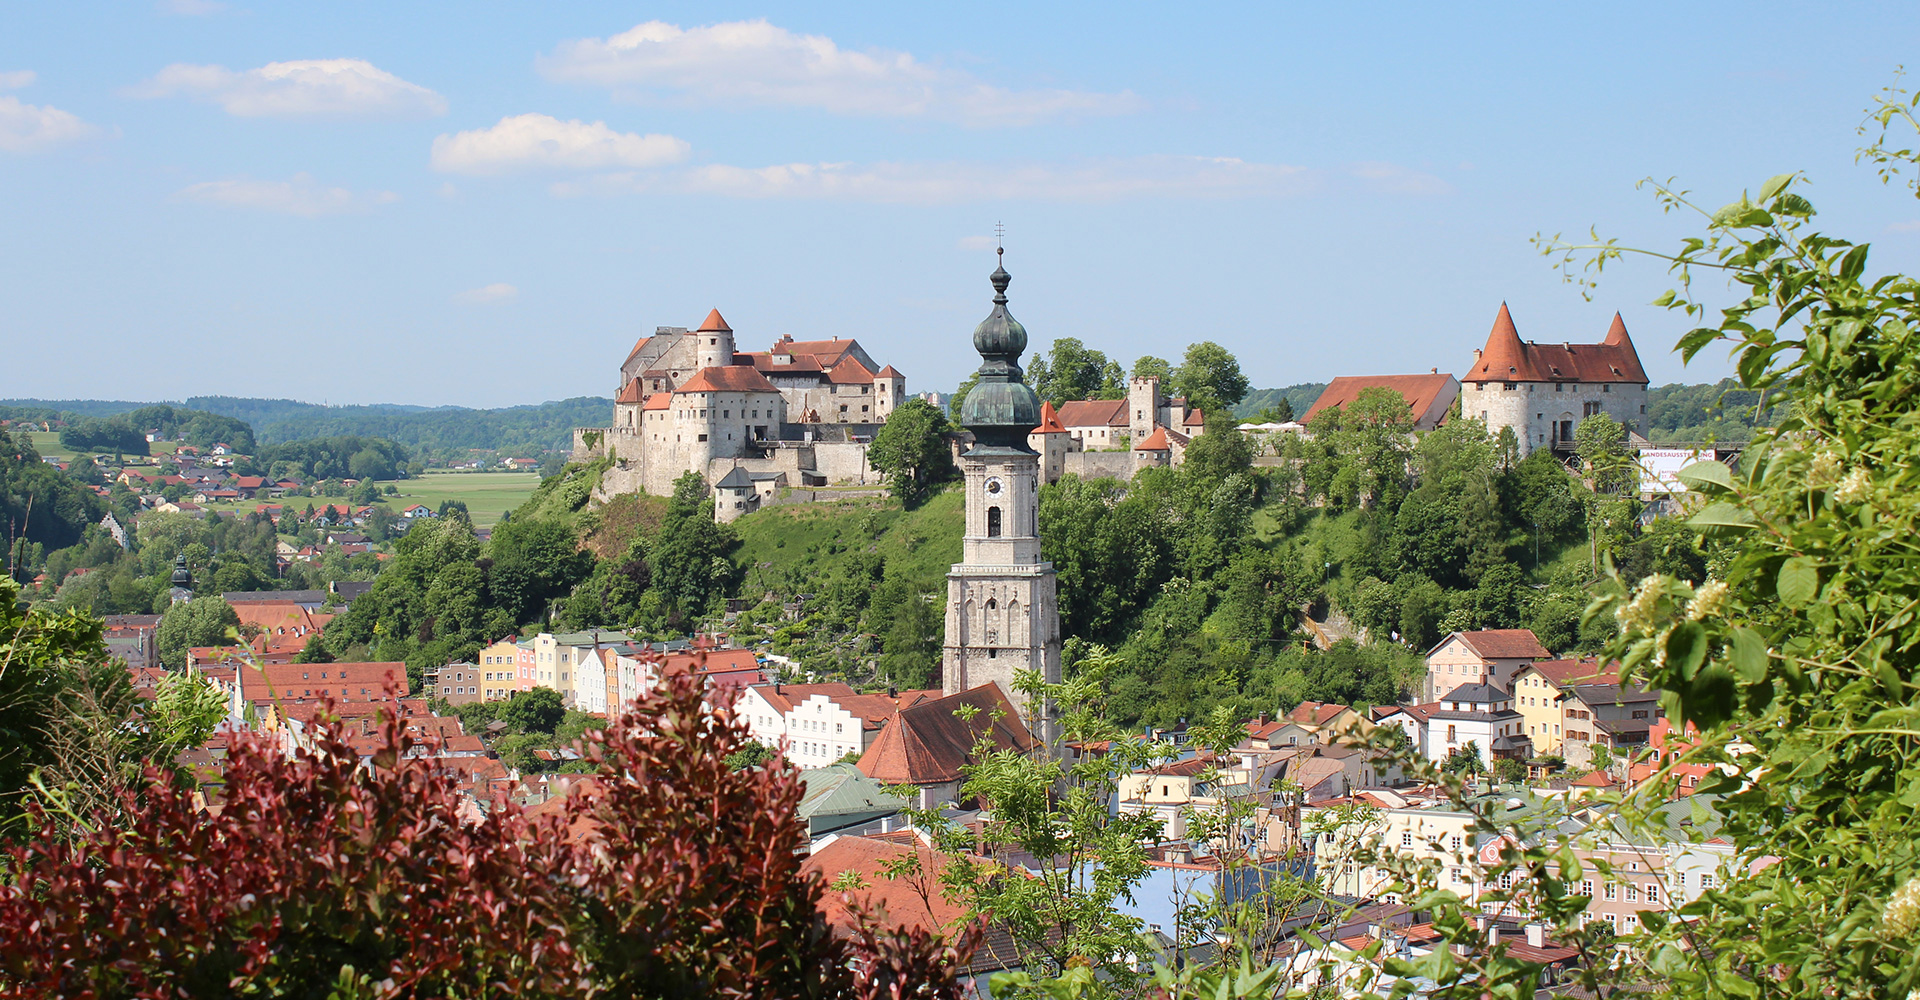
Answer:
(537, 711)
(1465, 759)
(1209, 375)
(960, 396)
(203, 621)
(1602, 445)
(1073, 371)
(1149, 366)
(912, 450)
(690, 567)
(1218, 453)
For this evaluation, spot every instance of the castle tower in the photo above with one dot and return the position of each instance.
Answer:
(1002, 608)
(714, 344)
(1143, 406)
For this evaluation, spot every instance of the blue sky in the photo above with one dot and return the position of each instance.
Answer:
(485, 204)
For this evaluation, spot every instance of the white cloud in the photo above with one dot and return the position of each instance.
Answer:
(756, 63)
(1912, 226)
(978, 243)
(947, 182)
(32, 128)
(18, 78)
(302, 88)
(534, 141)
(499, 291)
(189, 8)
(299, 196)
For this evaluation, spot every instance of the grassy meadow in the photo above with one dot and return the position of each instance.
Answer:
(486, 494)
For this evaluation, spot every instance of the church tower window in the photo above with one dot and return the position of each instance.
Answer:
(993, 522)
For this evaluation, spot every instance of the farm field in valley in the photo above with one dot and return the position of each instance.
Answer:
(486, 494)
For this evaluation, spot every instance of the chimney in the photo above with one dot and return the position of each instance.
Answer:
(892, 691)
(1493, 935)
(1476, 354)
(1536, 935)
(1436, 371)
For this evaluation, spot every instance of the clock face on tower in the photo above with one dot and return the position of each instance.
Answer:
(994, 486)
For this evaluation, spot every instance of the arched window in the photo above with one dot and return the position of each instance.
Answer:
(993, 522)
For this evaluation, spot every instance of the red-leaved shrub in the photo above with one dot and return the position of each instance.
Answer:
(668, 875)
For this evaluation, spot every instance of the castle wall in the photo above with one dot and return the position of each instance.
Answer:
(1535, 410)
(1100, 464)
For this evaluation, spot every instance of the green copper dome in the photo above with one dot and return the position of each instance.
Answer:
(1001, 410)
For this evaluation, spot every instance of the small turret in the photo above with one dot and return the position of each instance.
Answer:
(715, 347)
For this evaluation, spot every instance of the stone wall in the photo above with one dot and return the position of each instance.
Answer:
(1100, 464)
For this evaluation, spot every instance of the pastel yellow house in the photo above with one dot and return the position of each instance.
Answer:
(1539, 693)
(499, 668)
(1490, 656)
(1381, 819)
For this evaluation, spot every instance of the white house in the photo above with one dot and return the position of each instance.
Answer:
(821, 723)
(1480, 714)
(590, 680)
(417, 510)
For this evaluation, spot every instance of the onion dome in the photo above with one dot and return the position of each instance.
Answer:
(1001, 409)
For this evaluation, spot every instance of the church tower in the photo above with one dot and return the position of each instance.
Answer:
(1002, 609)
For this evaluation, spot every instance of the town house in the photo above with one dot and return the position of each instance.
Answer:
(1489, 656)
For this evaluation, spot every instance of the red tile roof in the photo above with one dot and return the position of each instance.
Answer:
(633, 393)
(1315, 713)
(763, 360)
(1504, 644)
(714, 324)
(898, 899)
(1508, 359)
(888, 372)
(826, 352)
(929, 743)
(659, 401)
(1195, 418)
(1420, 391)
(1157, 441)
(1094, 413)
(1568, 673)
(733, 378)
(343, 681)
(1049, 421)
(784, 696)
(850, 371)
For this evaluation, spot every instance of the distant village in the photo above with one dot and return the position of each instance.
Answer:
(1550, 736)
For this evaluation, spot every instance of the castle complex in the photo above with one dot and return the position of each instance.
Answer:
(798, 414)
(1002, 598)
(1542, 391)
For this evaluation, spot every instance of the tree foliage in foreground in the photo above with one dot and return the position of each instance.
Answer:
(673, 875)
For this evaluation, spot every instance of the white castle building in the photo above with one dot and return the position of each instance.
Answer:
(1002, 598)
(798, 414)
(1543, 391)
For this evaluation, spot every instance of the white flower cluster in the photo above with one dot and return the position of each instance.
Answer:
(1855, 488)
(1709, 601)
(1902, 916)
(1639, 613)
(1824, 468)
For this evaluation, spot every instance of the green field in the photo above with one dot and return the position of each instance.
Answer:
(47, 443)
(486, 494)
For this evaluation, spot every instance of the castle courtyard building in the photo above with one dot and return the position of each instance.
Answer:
(1542, 392)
